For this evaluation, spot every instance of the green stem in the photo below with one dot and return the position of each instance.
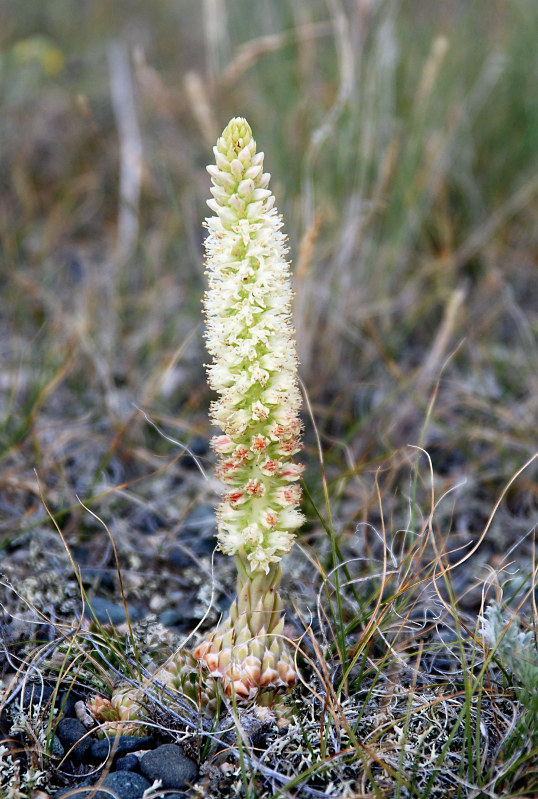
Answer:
(257, 596)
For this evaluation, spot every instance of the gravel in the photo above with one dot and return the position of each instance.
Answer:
(124, 784)
(130, 775)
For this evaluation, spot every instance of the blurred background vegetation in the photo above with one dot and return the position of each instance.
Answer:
(402, 141)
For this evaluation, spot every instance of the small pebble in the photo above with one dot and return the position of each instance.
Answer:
(70, 789)
(173, 617)
(170, 764)
(108, 612)
(35, 693)
(57, 749)
(124, 784)
(223, 603)
(120, 745)
(127, 763)
(197, 539)
(199, 445)
(74, 738)
(83, 715)
(179, 558)
(67, 702)
(97, 578)
(181, 614)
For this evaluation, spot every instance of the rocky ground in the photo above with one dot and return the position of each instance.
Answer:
(148, 549)
(403, 158)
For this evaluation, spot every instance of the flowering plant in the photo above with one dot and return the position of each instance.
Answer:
(254, 371)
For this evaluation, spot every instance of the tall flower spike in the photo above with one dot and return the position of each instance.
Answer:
(254, 371)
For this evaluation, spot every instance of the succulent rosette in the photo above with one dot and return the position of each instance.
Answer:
(254, 371)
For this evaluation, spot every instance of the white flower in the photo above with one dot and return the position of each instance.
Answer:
(261, 558)
(252, 535)
(287, 495)
(290, 518)
(280, 541)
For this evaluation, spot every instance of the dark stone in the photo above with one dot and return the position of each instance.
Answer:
(127, 763)
(73, 736)
(224, 603)
(119, 745)
(175, 617)
(205, 544)
(124, 784)
(67, 702)
(178, 558)
(170, 764)
(257, 731)
(36, 693)
(120, 376)
(97, 578)
(71, 788)
(57, 749)
(108, 612)
(446, 458)
(82, 555)
(176, 481)
(182, 612)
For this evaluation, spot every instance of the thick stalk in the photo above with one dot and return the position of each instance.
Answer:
(248, 651)
(258, 599)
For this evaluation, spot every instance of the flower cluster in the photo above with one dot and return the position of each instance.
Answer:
(254, 370)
